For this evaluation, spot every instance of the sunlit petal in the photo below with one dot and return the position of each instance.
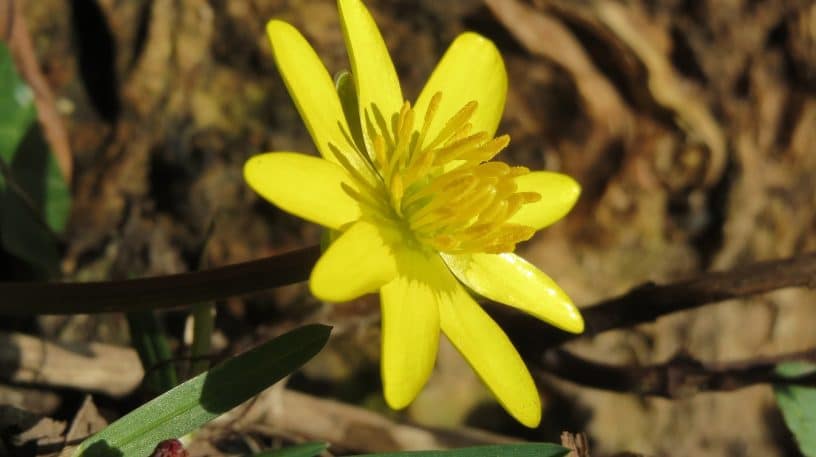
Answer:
(359, 262)
(410, 324)
(306, 186)
(399, 185)
(509, 279)
(471, 69)
(371, 66)
(493, 357)
(559, 193)
(312, 89)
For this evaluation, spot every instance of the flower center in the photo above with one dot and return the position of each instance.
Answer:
(445, 190)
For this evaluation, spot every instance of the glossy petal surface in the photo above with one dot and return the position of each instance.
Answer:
(394, 161)
(312, 89)
(559, 193)
(410, 324)
(371, 66)
(471, 69)
(357, 263)
(509, 279)
(306, 186)
(492, 356)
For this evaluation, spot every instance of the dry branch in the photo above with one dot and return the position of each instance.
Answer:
(89, 367)
(117, 371)
(348, 427)
(643, 304)
(665, 85)
(650, 301)
(577, 443)
(545, 36)
(168, 291)
(680, 377)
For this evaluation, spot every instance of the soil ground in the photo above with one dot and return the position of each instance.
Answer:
(691, 126)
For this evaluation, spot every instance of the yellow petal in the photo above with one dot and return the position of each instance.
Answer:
(493, 357)
(360, 261)
(410, 324)
(509, 279)
(559, 193)
(471, 69)
(312, 89)
(306, 186)
(371, 66)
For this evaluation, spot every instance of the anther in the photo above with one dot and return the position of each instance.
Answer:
(447, 192)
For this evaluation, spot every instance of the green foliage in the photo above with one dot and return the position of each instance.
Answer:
(798, 405)
(496, 450)
(36, 203)
(147, 338)
(205, 397)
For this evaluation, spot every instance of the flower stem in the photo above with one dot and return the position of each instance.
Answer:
(203, 324)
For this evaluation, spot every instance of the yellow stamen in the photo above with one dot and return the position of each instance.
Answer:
(447, 193)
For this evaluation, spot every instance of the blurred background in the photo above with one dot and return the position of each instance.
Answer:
(691, 126)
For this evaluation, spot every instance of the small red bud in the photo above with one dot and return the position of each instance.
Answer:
(170, 448)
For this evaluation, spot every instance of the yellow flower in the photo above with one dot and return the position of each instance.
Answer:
(419, 207)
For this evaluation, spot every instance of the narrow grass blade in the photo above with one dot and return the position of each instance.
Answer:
(148, 339)
(203, 398)
(35, 200)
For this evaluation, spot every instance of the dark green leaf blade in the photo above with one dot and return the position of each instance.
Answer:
(147, 337)
(798, 405)
(35, 201)
(495, 450)
(201, 399)
(17, 110)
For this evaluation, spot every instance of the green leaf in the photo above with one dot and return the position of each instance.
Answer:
(205, 397)
(496, 450)
(147, 337)
(17, 102)
(300, 450)
(798, 405)
(38, 203)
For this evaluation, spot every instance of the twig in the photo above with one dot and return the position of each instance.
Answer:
(345, 426)
(578, 444)
(117, 371)
(159, 292)
(680, 377)
(650, 301)
(90, 367)
(642, 304)
(7, 13)
(545, 36)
